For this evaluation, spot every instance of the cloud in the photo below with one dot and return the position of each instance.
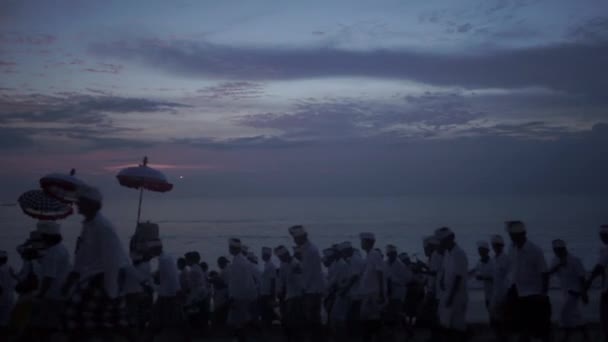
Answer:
(106, 68)
(75, 108)
(20, 38)
(569, 67)
(235, 91)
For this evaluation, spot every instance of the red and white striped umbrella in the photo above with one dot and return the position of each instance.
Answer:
(62, 186)
(39, 205)
(143, 177)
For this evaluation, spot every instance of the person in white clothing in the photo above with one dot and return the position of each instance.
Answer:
(398, 277)
(601, 269)
(530, 285)
(500, 287)
(242, 292)
(268, 288)
(336, 289)
(571, 274)
(312, 280)
(220, 293)
(7, 292)
(371, 288)
(54, 268)
(290, 293)
(197, 300)
(453, 283)
(484, 271)
(99, 266)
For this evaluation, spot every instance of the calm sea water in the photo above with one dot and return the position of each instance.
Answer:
(205, 224)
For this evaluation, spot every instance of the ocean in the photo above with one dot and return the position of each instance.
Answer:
(205, 224)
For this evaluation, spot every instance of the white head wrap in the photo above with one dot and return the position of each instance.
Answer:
(443, 233)
(559, 243)
(483, 244)
(48, 227)
(90, 193)
(367, 236)
(344, 246)
(236, 243)
(391, 249)
(497, 240)
(514, 227)
(297, 231)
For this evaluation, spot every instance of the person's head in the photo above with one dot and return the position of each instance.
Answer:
(3, 257)
(446, 237)
(559, 248)
(391, 253)
(329, 256)
(244, 250)
(430, 244)
(483, 248)
(50, 232)
(345, 249)
(299, 234)
(405, 258)
(498, 244)
(204, 266)
(517, 232)
(604, 233)
(193, 258)
(266, 254)
(89, 201)
(367, 241)
(234, 246)
(181, 264)
(282, 253)
(222, 262)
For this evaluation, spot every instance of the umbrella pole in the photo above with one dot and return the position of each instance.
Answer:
(141, 195)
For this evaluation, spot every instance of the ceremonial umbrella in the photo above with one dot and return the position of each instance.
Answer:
(62, 186)
(39, 205)
(143, 177)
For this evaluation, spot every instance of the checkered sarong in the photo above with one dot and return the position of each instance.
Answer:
(90, 308)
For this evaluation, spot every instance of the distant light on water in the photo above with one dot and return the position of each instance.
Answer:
(181, 177)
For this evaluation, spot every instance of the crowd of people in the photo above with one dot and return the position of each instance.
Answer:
(341, 293)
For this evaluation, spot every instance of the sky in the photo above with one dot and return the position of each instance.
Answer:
(247, 98)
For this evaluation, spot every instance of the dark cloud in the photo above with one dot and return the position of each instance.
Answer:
(75, 108)
(20, 38)
(238, 90)
(570, 67)
(11, 138)
(105, 68)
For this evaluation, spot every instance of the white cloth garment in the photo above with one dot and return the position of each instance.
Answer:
(486, 271)
(399, 275)
(136, 275)
(500, 285)
(294, 286)
(99, 251)
(356, 266)
(455, 264)
(55, 264)
(257, 277)
(312, 273)
(268, 276)
(369, 280)
(7, 298)
(197, 283)
(526, 267)
(169, 279)
(340, 278)
(241, 284)
(569, 275)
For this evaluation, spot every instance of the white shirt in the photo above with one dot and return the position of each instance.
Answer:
(526, 266)
(603, 261)
(167, 273)
(500, 284)
(55, 264)
(241, 283)
(197, 283)
(570, 274)
(136, 275)
(293, 279)
(455, 264)
(369, 281)
(486, 270)
(257, 276)
(7, 283)
(99, 251)
(312, 274)
(340, 274)
(268, 276)
(356, 266)
(399, 275)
